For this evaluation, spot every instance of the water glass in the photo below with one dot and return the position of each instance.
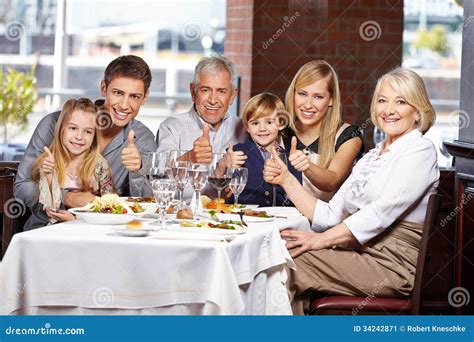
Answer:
(238, 182)
(198, 174)
(163, 191)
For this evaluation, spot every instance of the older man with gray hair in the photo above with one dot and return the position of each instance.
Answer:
(207, 127)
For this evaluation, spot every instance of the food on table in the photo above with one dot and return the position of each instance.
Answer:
(207, 224)
(256, 213)
(205, 201)
(137, 208)
(110, 204)
(141, 199)
(134, 225)
(184, 214)
(223, 207)
(170, 209)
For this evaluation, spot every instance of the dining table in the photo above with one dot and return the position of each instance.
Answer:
(80, 268)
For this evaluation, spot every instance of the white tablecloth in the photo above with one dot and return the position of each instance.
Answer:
(75, 268)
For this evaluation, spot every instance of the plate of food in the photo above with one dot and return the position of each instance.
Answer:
(250, 215)
(133, 229)
(222, 207)
(108, 209)
(209, 227)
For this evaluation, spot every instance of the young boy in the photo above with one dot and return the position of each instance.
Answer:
(122, 138)
(264, 118)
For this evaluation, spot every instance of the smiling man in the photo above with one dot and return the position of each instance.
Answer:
(207, 127)
(121, 138)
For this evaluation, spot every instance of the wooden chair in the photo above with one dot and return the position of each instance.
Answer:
(334, 305)
(7, 177)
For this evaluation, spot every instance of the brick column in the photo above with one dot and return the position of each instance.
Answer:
(271, 40)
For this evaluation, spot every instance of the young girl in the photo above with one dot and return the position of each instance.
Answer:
(264, 118)
(71, 163)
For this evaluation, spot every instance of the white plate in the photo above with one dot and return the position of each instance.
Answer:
(102, 218)
(132, 232)
(247, 206)
(179, 228)
(235, 217)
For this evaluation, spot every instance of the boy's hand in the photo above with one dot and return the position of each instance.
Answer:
(297, 158)
(236, 158)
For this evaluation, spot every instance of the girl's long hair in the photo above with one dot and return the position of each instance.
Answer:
(61, 154)
(308, 74)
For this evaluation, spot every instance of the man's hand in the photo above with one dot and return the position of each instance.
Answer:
(130, 155)
(202, 149)
(297, 158)
(77, 199)
(235, 158)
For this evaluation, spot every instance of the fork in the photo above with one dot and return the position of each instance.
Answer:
(241, 214)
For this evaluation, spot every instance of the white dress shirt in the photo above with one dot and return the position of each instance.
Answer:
(383, 188)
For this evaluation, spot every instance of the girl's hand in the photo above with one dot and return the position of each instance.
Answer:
(300, 242)
(297, 158)
(60, 215)
(48, 163)
(275, 170)
(236, 158)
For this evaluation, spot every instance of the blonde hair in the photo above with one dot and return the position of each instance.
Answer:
(308, 74)
(61, 154)
(409, 85)
(265, 104)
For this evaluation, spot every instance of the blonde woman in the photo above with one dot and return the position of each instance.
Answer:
(369, 233)
(71, 162)
(321, 145)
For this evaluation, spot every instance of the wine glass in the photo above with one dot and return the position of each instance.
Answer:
(198, 174)
(219, 175)
(238, 182)
(180, 172)
(163, 191)
(159, 166)
(176, 155)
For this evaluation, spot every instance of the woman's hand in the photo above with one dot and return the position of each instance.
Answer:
(48, 163)
(60, 215)
(235, 158)
(300, 242)
(275, 170)
(297, 158)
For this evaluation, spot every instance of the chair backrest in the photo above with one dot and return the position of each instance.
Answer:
(7, 175)
(431, 221)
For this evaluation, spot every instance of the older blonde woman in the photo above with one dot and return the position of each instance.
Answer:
(367, 236)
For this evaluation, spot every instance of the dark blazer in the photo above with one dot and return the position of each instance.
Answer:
(257, 191)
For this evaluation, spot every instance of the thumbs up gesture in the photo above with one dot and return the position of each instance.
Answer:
(48, 163)
(297, 158)
(130, 155)
(275, 170)
(202, 149)
(236, 158)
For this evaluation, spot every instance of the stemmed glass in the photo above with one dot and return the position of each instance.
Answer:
(176, 155)
(282, 156)
(180, 172)
(198, 174)
(159, 166)
(219, 175)
(238, 182)
(163, 191)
